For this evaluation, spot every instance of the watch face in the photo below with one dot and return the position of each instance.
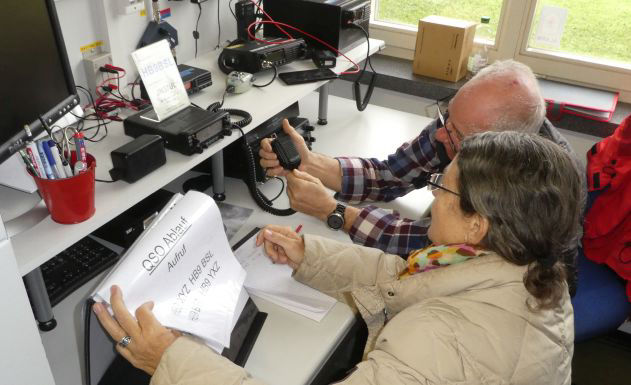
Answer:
(335, 221)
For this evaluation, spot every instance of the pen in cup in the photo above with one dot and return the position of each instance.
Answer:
(79, 147)
(79, 167)
(33, 154)
(28, 162)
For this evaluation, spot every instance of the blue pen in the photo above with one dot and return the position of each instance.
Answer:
(50, 158)
(42, 157)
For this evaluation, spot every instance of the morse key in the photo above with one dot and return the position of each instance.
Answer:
(286, 151)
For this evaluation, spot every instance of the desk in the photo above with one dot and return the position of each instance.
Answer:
(22, 358)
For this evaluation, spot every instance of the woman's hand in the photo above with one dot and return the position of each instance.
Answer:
(149, 339)
(282, 245)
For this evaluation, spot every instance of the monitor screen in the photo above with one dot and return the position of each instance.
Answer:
(36, 76)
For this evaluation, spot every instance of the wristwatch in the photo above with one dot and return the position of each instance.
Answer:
(335, 220)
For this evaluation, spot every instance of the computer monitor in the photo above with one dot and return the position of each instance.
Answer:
(36, 81)
(34, 71)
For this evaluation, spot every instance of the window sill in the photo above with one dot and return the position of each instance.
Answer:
(396, 75)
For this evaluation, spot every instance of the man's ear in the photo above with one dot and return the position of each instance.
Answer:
(478, 227)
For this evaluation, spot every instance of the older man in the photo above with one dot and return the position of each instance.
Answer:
(504, 96)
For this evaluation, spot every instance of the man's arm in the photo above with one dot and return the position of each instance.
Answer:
(385, 230)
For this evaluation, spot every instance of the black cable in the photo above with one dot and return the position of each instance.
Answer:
(99, 119)
(118, 84)
(282, 188)
(261, 200)
(270, 82)
(104, 181)
(133, 87)
(196, 31)
(231, 11)
(362, 104)
(246, 117)
(260, 16)
(218, 26)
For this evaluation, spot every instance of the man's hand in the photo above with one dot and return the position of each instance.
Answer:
(149, 339)
(308, 195)
(282, 245)
(269, 161)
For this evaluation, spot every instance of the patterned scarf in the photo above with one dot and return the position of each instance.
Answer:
(435, 256)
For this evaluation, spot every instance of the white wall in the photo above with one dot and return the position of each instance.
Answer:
(86, 21)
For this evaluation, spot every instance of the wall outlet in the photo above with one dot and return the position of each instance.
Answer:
(92, 73)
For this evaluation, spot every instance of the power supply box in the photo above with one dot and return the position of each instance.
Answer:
(328, 20)
(255, 56)
(194, 79)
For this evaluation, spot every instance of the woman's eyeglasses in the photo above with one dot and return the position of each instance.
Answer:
(435, 182)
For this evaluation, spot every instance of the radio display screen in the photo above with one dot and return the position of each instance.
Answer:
(275, 56)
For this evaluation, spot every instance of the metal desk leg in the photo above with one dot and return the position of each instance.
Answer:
(37, 295)
(218, 181)
(323, 105)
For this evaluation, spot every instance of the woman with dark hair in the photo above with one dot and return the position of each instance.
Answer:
(491, 305)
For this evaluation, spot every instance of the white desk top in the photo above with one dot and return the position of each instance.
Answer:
(374, 132)
(47, 238)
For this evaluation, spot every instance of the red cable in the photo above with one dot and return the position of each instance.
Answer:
(277, 23)
(269, 17)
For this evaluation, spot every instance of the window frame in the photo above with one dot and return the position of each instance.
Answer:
(511, 42)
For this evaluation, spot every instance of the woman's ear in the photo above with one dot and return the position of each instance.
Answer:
(478, 227)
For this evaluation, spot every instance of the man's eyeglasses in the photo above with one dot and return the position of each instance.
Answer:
(435, 182)
(443, 123)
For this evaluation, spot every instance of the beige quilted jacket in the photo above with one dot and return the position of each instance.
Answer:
(463, 324)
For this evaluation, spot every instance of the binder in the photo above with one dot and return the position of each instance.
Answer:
(104, 366)
(588, 103)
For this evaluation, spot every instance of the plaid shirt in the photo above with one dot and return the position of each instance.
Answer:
(405, 170)
(374, 180)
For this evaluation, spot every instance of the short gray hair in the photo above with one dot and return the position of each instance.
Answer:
(525, 110)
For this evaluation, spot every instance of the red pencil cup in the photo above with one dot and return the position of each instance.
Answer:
(69, 200)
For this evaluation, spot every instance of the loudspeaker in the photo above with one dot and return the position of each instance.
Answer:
(138, 158)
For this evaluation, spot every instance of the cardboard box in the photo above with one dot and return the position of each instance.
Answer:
(443, 46)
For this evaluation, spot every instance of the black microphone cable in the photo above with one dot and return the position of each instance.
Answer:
(362, 104)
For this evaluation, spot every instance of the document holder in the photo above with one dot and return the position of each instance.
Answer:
(104, 366)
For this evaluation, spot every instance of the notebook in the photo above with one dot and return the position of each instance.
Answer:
(588, 103)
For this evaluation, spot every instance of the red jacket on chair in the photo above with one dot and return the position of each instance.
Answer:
(607, 227)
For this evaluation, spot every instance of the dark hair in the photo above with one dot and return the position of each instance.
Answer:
(530, 191)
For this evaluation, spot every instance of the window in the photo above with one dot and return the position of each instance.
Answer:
(580, 41)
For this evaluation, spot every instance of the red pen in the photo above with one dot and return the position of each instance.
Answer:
(298, 229)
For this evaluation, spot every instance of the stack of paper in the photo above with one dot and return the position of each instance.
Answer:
(274, 283)
(183, 263)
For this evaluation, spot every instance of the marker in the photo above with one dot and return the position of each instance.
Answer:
(297, 231)
(57, 157)
(27, 161)
(31, 151)
(79, 147)
(42, 156)
(50, 158)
